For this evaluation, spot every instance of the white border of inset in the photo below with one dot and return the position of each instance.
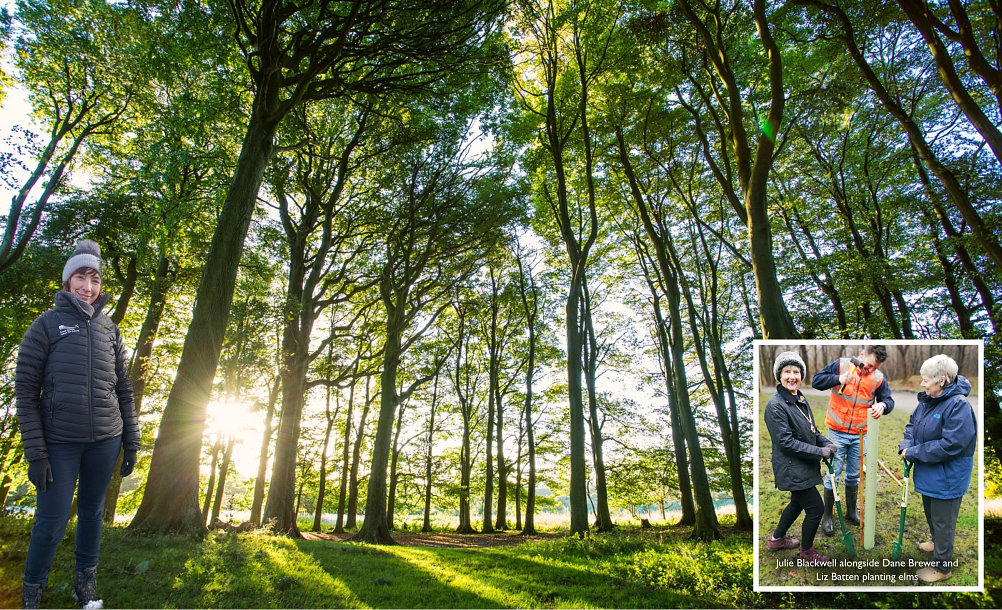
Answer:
(980, 461)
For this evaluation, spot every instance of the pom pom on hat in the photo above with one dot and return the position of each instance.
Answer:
(786, 359)
(87, 254)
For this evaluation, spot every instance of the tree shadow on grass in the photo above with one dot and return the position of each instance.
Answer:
(583, 586)
(488, 578)
(257, 570)
(397, 577)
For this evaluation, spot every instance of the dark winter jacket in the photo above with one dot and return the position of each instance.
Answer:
(796, 442)
(71, 380)
(941, 437)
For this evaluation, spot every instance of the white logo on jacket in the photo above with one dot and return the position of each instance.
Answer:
(65, 330)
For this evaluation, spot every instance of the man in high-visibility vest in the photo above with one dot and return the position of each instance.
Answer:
(857, 387)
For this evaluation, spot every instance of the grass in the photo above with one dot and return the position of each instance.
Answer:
(772, 502)
(626, 569)
(259, 570)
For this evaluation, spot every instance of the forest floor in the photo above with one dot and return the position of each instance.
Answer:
(628, 568)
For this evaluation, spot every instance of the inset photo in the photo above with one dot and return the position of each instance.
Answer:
(869, 465)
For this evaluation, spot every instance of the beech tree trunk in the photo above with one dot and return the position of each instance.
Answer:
(356, 456)
(375, 528)
(590, 351)
(487, 526)
(753, 168)
(280, 506)
(170, 502)
(322, 490)
(343, 491)
(391, 497)
(262, 463)
(224, 468)
(527, 288)
(212, 482)
(140, 367)
(466, 405)
(429, 456)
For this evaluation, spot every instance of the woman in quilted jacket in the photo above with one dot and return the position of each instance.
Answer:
(75, 410)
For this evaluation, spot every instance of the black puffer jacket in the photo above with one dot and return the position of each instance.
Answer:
(71, 380)
(796, 443)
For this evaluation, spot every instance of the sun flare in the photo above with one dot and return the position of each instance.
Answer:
(233, 418)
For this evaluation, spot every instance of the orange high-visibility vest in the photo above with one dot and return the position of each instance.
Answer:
(847, 409)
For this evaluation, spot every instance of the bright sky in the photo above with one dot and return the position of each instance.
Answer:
(14, 111)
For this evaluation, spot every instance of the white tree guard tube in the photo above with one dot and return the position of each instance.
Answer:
(870, 490)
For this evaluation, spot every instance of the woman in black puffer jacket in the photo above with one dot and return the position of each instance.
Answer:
(797, 451)
(75, 410)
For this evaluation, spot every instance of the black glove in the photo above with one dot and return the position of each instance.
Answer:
(128, 463)
(40, 473)
(828, 451)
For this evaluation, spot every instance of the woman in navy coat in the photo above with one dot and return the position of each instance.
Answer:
(940, 440)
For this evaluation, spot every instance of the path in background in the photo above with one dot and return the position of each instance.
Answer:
(446, 540)
(903, 401)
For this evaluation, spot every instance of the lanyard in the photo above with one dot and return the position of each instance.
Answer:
(803, 413)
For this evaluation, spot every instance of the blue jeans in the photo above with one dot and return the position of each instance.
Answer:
(92, 463)
(847, 456)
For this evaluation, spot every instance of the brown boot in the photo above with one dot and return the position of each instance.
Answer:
(813, 557)
(778, 544)
(931, 575)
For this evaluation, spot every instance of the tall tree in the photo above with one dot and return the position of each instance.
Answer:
(711, 25)
(656, 226)
(356, 454)
(257, 503)
(429, 455)
(497, 327)
(530, 297)
(591, 354)
(330, 417)
(217, 447)
(82, 65)
(439, 222)
(327, 237)
(224, 469)
(294, 53)
(466, 379)
(562, 106)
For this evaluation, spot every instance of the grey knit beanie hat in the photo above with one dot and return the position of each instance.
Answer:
(786, 359)
(87, 254)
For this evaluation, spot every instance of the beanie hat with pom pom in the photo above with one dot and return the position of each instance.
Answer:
(87, 254)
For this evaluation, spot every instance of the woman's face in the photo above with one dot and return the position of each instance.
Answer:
(789, 378)
(932, 385)
(85, 285)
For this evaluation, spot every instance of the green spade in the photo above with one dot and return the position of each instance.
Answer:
(896, 547)
(850, 548)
